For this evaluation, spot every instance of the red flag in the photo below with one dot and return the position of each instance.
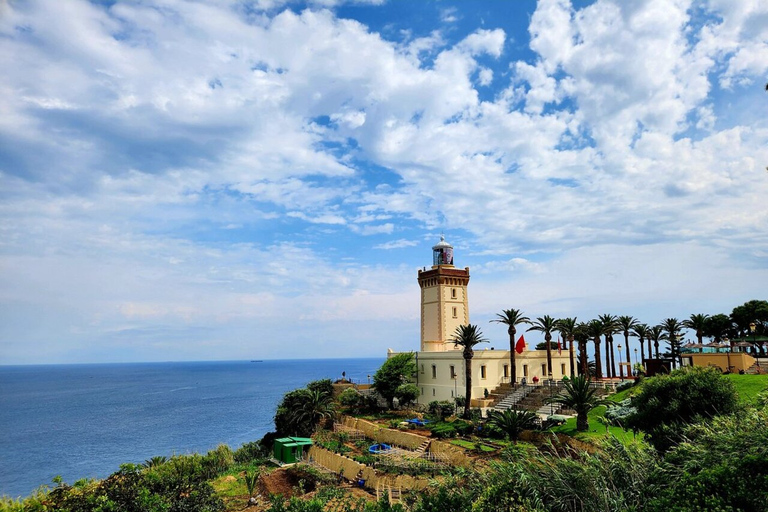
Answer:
(520, 346)
(559, 348)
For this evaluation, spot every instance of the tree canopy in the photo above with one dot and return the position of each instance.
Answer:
(395, 371)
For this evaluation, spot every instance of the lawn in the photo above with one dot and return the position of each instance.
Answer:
(469, 445)
(748, 386)
(598, 429)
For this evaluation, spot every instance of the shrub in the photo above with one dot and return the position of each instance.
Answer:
(666, 403)
(443, 430)
(406, 393)
(248, 452)
(441, 410)
(350, 398)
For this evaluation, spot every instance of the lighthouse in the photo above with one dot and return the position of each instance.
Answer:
(444, 302)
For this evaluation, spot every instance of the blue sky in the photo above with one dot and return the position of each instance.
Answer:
(186, 180)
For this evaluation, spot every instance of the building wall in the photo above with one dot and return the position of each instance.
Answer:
(737, 360)
(437, 383)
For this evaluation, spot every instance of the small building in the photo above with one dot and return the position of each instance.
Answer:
(733, 362)
(290, 450)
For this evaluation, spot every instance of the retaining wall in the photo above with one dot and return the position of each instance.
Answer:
(373, 479)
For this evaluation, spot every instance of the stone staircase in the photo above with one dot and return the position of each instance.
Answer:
(513, 398)
(422, 449)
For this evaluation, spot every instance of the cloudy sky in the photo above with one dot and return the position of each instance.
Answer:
(190, 180)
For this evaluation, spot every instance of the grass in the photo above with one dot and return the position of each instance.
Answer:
(597, 429)
(469, 445)
(748, 386)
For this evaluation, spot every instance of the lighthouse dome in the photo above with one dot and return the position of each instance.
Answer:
(442, 253)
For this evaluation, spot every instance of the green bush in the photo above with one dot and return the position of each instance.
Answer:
(248, 452)
(443, 430)
(666, 403)
(441, 410)
(350, 398)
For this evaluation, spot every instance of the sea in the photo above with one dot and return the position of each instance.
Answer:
(84, 420)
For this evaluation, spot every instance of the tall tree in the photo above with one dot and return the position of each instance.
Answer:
(641, 332)
(610, 327)
(626, 324)
(579, 395)
(697, 323)
(467, 336)
(395, 371)
(581, 333)
(512, 318)
(595, 330)
(673, 326)
(546, 324)
(655, 334)
(719, 327)
(567, 328)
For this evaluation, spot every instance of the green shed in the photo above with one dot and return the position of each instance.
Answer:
(291, 449)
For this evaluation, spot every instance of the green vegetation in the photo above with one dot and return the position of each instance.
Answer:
(466, 337)
(579, 395)
(748, 387)
(668, 402)
(512, 423)
(396, 371)
(302, 410)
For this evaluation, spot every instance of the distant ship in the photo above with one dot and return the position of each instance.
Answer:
(256, 361)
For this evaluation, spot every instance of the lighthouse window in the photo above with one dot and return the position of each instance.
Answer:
(434, 371)
(453, 293)
(455, 314)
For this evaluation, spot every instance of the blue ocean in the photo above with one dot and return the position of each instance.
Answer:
(82, 421)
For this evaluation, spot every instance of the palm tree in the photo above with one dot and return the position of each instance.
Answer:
(655, 333)
(467, 336)
(581, 333)
(673, 328)
(567, 327)
(627, 323)
(579, 395)
(641, 332)
(155, 461)
(513, 422)
(595, 330)
(546, 324)
(312, 408)
(697, 323)
(610, 327)
(512, 318)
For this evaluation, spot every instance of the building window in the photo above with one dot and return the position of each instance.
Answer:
(482, 371)
(506, 370)
(544, 370)
(451, 394)
(453, 293)
(562, 368)
(453, 372)
(433, 391)
(525, 370)
(434, 371)
(422, 372)
(455, 313)
(422, 391)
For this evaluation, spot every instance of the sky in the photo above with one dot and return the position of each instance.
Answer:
(217, 180)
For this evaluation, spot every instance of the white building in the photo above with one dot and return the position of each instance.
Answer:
(440, 366)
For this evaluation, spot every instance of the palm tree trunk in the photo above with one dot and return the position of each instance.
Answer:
(468, 389)
(598, 363)
(608, 362)
(626, 344)
(582, 422)
(656, 346)
(570, 354)
(547, 339)
(583, 358)
(512, 354)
